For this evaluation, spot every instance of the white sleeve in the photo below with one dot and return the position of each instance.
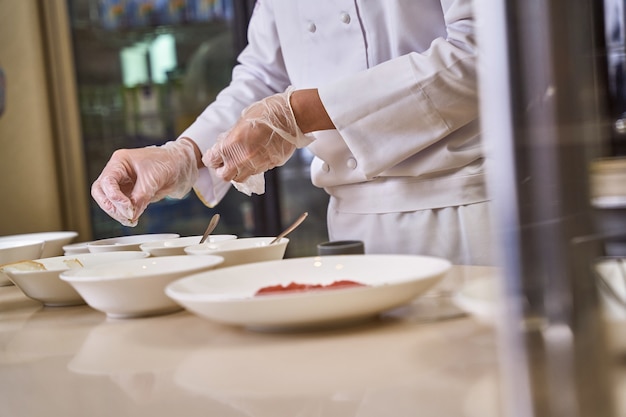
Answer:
(260, 72)
(400, 107)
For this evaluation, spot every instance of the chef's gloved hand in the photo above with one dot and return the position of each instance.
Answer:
(264, 137)
(133, 178)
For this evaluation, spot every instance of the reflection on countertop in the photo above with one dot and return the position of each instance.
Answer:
(75, 362)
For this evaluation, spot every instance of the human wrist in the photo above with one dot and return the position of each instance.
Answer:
(308, 111)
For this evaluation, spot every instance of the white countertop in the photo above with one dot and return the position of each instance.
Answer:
(75, 362)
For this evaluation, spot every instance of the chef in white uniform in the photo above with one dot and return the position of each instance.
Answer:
(383, 93)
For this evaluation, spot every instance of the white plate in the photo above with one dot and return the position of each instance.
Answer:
(227, 295)
(172, 247)
(127, 242)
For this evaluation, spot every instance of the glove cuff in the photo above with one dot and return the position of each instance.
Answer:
(185, 153)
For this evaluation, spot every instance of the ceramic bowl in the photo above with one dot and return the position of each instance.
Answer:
(40, 280)
(18, 250)
(135, 288)
(243, 250)
(76, 248)
(127, 242)
(54, 241)
(172, 247)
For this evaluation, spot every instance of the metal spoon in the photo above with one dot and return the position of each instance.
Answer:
(212, 225)
(290, 228)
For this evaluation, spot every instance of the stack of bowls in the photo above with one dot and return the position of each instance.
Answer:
(124, 277)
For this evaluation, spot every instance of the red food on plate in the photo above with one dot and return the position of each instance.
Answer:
(295, 287)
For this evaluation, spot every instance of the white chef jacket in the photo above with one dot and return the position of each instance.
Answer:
(397, 78)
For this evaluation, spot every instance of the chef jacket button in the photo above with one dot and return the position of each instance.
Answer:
(345, 18)
(325, 167)
(351, 163)
(312, 28)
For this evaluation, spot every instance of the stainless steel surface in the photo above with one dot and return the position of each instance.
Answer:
(290, 229)
(209, 229)
(544, 118)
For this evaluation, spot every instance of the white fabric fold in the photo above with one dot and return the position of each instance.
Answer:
(253, 184)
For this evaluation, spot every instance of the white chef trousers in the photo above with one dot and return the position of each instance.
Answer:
(460, 234)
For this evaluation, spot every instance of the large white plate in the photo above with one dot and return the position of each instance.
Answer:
(227, 295)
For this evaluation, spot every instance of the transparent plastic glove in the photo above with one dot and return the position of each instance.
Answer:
(133, 178)
(264, 137)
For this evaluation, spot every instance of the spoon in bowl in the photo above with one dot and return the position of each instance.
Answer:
(290, 228)
(212, 225)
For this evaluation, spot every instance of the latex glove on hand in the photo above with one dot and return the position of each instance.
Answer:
(133, 178)
(264, 137)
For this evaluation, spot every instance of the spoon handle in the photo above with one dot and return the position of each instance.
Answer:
(290, 228)
(212, 225)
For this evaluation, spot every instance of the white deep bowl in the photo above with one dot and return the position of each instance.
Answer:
(127, 242)
(243, 250)
(172, 247)
(54, 241)
(18, 250)
(46, 286)
(228, 295)
(135, 288)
